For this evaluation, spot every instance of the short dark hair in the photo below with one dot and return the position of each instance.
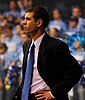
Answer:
(3, 45)
(76, 6)
(40, 13)
(59, 10)
(74, 19)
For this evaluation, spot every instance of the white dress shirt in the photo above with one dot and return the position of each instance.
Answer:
(38, 83)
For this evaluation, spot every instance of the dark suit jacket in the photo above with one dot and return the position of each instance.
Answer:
(56, 66)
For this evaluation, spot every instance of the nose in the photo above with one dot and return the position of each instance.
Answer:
(24, 22)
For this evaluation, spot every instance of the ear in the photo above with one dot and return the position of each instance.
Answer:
(39, 22)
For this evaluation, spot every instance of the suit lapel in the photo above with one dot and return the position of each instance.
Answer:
(42, 49)
(26, 51)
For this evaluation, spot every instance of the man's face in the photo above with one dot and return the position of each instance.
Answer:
(56, 14)
(2, 50)
(12, 5)
(52, 32)
(27, 3)
(77, 44)
(72, 24)
(29, 24)
(76, 12)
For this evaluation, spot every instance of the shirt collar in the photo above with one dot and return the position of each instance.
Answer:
(38, 41)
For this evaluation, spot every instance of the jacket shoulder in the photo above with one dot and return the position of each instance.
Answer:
(57, 42)
(27, 44)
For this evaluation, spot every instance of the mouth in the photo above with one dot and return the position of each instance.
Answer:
(24, 27)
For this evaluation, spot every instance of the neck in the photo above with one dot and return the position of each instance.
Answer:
(75, 27)
(58, 19)
(37, 35)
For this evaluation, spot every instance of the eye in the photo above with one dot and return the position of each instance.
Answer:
(27, 18)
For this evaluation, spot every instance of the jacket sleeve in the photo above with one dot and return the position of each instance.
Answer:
(72, 75)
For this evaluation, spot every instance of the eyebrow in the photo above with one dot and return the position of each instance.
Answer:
(27, 18)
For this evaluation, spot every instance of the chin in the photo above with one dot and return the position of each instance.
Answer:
(26, 32)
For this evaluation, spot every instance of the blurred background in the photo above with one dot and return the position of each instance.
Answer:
(67, 23)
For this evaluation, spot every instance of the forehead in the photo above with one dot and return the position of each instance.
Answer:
(12, 3)
(77, 41)
(55, 11)
(29, 14)
(76, 9)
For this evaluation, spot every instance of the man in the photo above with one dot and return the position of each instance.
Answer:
(76, 12)
(55, 71)
(57, 21)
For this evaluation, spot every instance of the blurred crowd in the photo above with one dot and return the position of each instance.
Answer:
(12, 38)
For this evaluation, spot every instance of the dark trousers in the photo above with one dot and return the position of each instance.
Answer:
(32, 97)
